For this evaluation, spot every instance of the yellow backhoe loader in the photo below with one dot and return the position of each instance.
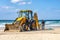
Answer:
(25, 21)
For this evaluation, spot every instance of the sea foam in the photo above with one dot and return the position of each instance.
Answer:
(3, 24)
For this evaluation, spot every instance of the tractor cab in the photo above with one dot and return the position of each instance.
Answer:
(26, 13)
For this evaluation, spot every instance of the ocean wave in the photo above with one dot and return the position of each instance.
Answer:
(52, 26)
(3, 24)
(52, 22)
(47, 23)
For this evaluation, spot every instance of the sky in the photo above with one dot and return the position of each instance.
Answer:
(46, 9)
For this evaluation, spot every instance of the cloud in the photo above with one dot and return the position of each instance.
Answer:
(6, 7)
(22, 3)
(16, 10)
(15, 1)
(29, 2)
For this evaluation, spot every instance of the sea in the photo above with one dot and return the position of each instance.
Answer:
(48, 23)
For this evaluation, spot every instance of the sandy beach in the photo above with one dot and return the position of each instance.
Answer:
(31, 35)
(29, 19)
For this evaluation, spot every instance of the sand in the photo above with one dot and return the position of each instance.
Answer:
(31, 35)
